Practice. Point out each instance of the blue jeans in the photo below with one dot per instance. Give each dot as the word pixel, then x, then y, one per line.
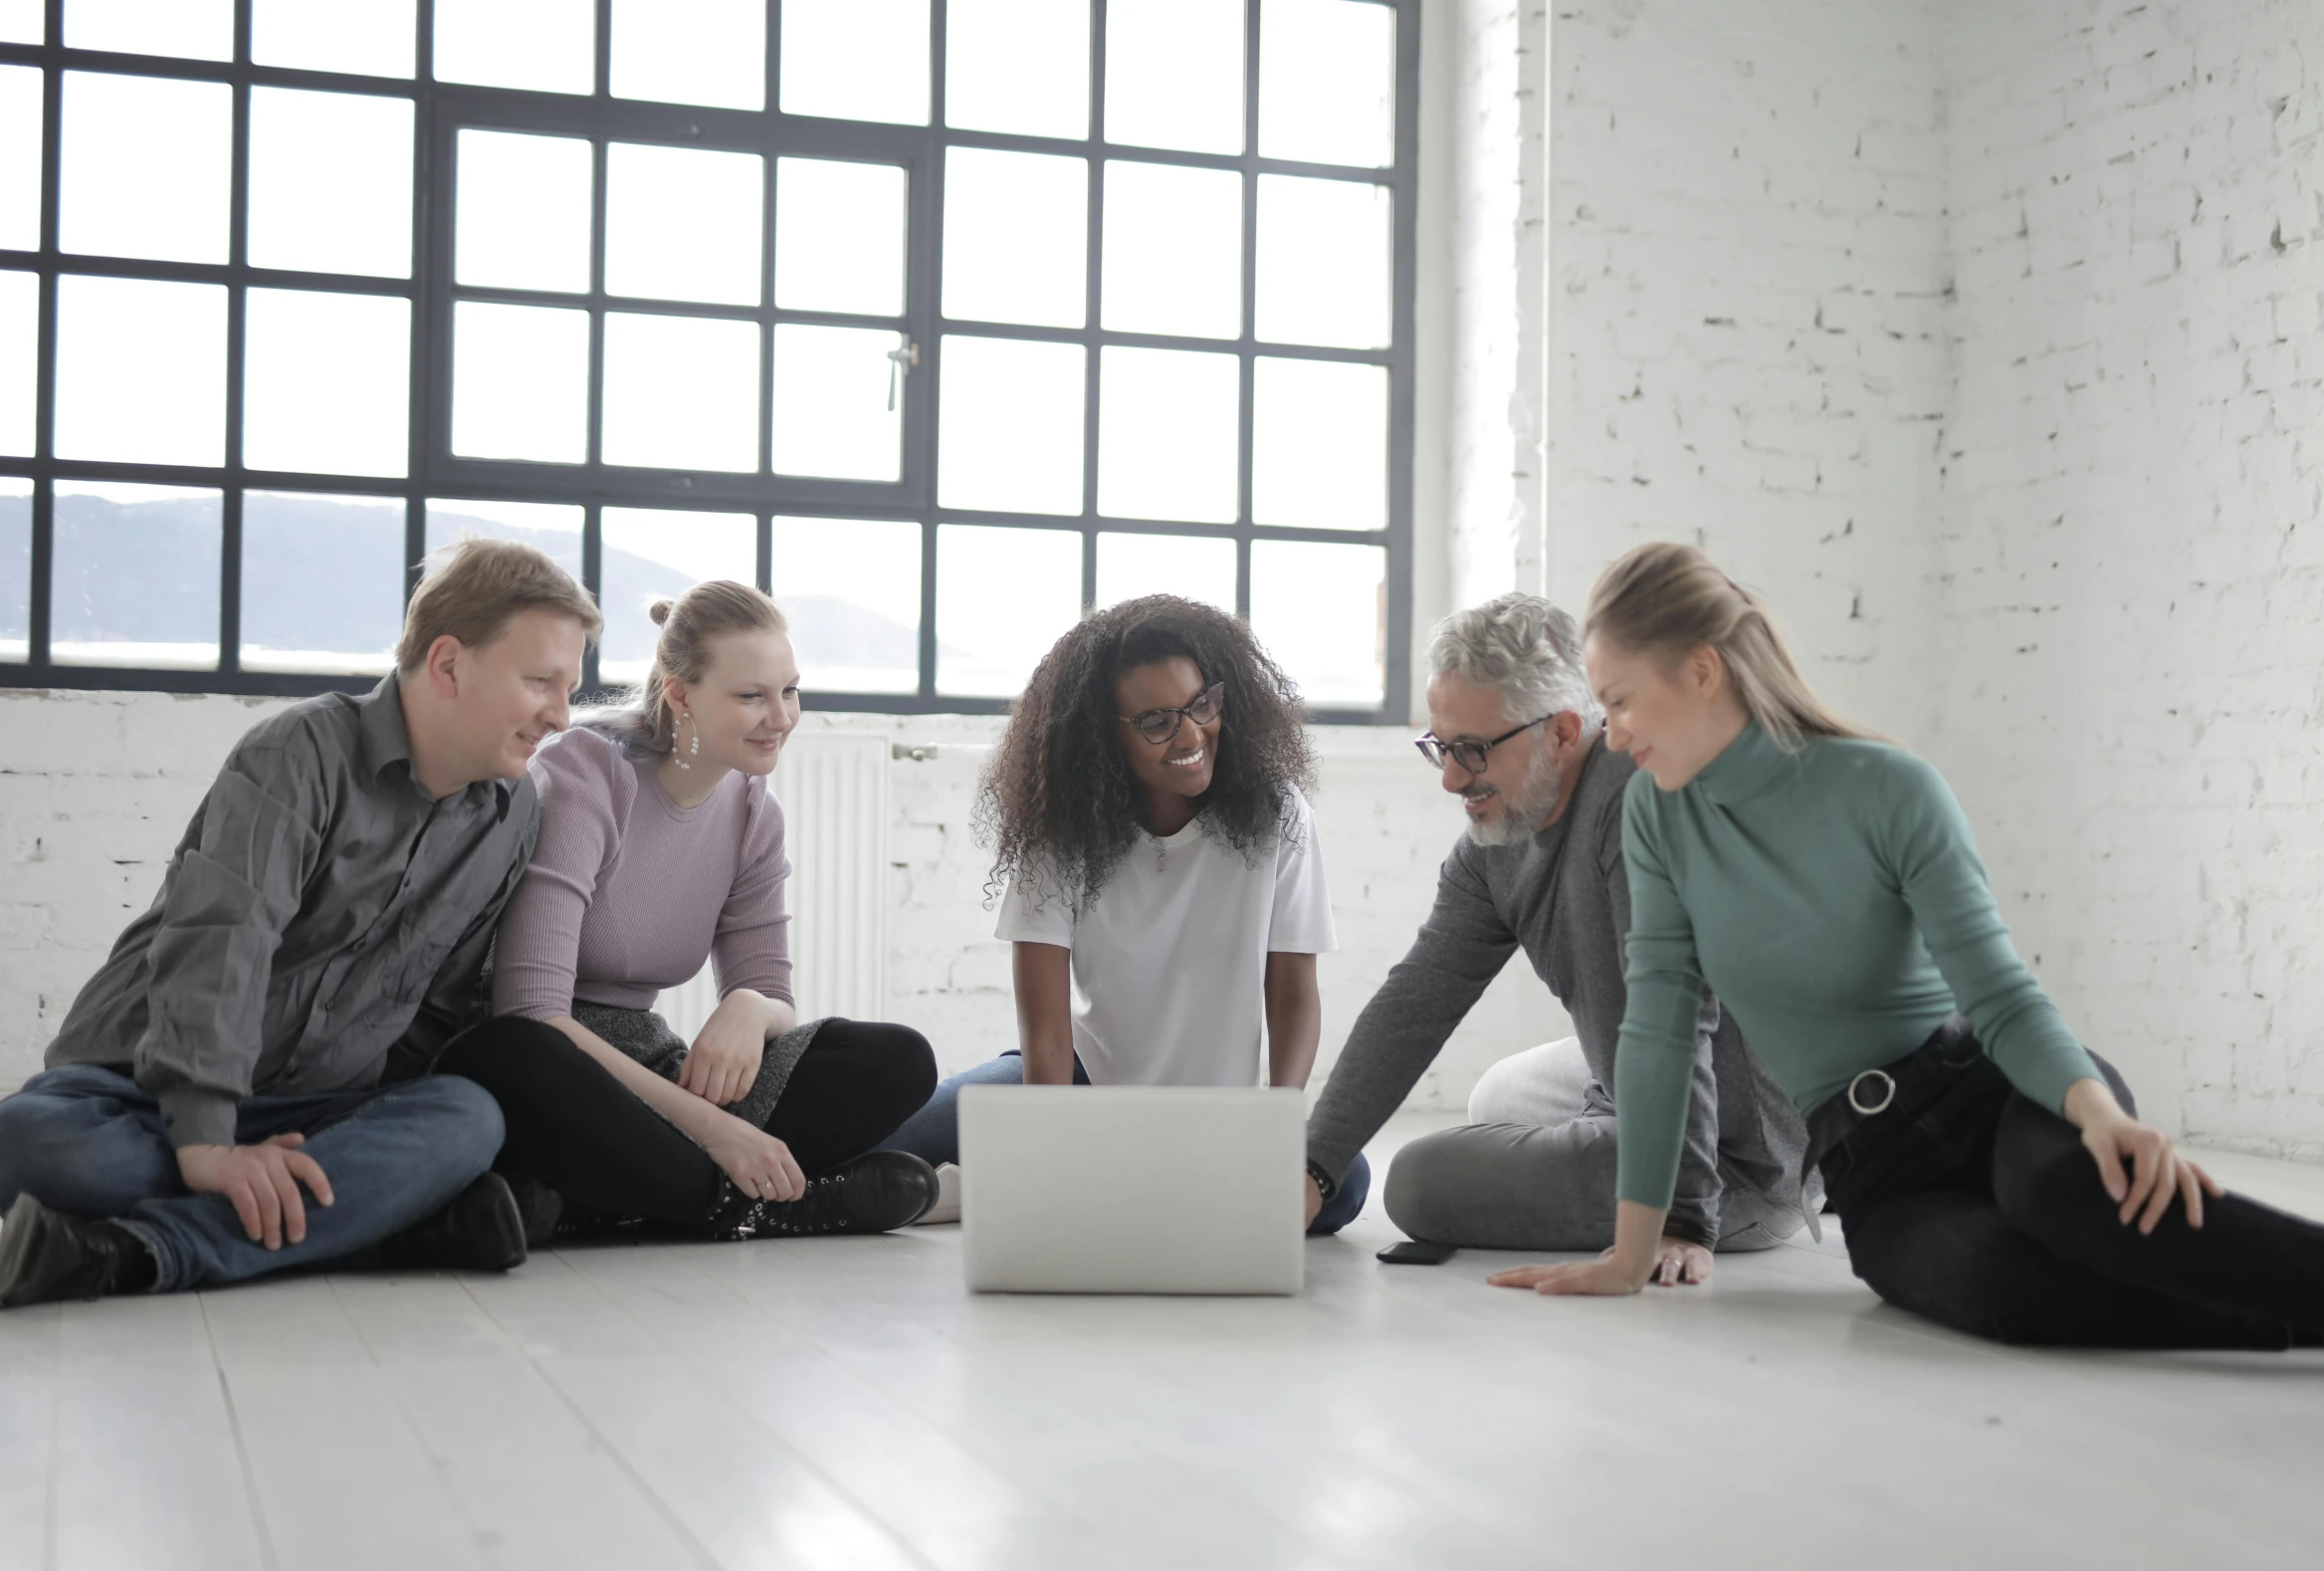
pixel 934 1135
pixel 83 1139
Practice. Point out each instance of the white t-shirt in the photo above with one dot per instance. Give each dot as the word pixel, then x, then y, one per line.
pixel 1169 962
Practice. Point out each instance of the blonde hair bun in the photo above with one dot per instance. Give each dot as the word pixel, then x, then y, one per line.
pixel 659 611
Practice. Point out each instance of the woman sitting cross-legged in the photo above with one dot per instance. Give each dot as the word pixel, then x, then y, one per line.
pixel 660 845
pixel 1165 891
pixel 1991 1173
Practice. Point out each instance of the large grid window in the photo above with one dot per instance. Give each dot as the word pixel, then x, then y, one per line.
pixel 945 321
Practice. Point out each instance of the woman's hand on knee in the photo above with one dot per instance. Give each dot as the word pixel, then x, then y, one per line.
pixel 723 1064
pixel 759 1165
pixel 2140 1165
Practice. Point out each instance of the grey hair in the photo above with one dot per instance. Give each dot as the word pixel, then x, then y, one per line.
pixel 1521 646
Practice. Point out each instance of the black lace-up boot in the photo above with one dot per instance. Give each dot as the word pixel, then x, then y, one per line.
pixel 876 1192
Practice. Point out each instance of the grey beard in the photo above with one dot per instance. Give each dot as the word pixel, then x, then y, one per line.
pixel 1522 813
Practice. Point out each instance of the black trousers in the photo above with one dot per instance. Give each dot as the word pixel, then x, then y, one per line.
pixel 578 1129
pixel 1982 1210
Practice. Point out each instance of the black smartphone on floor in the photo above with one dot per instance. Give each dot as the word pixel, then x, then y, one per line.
pixel 1414 1251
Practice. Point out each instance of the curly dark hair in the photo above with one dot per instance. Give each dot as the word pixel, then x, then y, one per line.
pixel 1056 802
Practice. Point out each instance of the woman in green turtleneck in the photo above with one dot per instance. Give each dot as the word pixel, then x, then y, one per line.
pixel 1991 1173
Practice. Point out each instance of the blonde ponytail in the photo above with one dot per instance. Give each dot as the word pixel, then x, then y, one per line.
pixel 1666 598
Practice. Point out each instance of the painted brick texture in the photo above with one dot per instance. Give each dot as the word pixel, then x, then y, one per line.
pixel 2130 547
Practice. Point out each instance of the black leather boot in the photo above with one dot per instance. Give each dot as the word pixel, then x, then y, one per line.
pixel 46 1255
pixel 482 1229
pixel 876 1192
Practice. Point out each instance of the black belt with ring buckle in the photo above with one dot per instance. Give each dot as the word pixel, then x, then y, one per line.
pixel 1887 1092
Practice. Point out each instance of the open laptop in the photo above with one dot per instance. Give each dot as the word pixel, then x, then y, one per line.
pixel 1133 1188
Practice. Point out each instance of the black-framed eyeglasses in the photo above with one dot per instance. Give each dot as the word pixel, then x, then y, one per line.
pixel 1469 755
pixel 1157 726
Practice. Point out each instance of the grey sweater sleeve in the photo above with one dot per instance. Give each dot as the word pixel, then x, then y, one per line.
pixel 1458 951
pixel 1694 1205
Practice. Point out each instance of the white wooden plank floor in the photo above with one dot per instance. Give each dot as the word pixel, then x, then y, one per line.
pixel 843 1404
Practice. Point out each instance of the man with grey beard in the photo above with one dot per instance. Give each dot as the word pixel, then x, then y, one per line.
pixel 1520 740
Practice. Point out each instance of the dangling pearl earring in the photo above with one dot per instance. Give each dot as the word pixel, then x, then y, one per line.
pixel 674 755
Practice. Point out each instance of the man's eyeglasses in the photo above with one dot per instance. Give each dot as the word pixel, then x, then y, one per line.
pixel 1158 726
pixel 1469 755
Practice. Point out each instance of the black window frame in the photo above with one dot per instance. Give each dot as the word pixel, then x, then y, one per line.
pixel 440 108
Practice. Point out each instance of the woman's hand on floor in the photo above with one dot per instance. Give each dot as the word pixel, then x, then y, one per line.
pixel 1678 1263
pixel 761 1165
pixel 723 1064
pixel 1604 1278
pixel 2139 1164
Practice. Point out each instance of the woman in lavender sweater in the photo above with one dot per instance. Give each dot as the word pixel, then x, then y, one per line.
pixel 661 846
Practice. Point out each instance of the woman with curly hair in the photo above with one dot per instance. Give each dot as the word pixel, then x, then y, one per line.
pixel 1164 890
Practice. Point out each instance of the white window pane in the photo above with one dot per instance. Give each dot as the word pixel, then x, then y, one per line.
pixel 1322 262
pixel 1321 612
pixel 331 183
pixel 691 52
pixel 1009 426
pixel 1016 237
pixel 1019 66
pixel 1166 434
pixel 856 60
pixel 523 216
pixel 1319 444
pixel 1130 566
pixel 24 21
pixel 831 413
pixel 553 527
pixel 21 93
pixel 1328 82
pixel 654 554
pixel 1003 596
pixel 140 370
pixel 682 223
pixel 851 589
pixel 519 382
pixel 550 46
pixel 1174 259
pixel 146 167
pixel 188 29
pixel 326 383
pixel 20 300
pixel 14 567
pixel 680 392
pixel 321 581
pixel 373 39
pixel 165 613
pixel 1174 74
pixel 839 236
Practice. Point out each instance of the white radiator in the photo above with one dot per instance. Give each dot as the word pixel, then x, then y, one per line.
pixel 833 785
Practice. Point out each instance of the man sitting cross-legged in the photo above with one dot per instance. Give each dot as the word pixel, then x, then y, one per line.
pixel 217 1103
pixel 1521 741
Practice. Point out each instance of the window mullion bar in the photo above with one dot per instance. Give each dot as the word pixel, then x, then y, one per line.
pixel 427 294
pixel 924 265
pixel 237 335
pixel 43 442
pixel 1246 349
pixel 1092 306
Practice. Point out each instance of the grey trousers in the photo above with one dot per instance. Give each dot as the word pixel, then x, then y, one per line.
pixel 1534 1168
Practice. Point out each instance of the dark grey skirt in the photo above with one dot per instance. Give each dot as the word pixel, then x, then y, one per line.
pixel 648 1038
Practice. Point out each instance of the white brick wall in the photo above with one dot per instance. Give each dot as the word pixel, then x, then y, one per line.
pixel 1746 313
pixel 2131 545
pixel 96 787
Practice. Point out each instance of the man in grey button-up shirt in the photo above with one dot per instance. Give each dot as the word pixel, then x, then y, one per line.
pixel 240 1087
pixel 1541 869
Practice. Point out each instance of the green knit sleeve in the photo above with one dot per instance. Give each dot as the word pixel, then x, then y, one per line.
pixel 1655 1053
pixel 1925 839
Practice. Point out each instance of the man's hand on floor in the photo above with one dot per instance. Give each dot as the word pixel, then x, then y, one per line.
pixel 262 1183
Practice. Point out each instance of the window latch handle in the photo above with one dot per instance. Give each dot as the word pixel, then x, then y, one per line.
pixel 900 364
